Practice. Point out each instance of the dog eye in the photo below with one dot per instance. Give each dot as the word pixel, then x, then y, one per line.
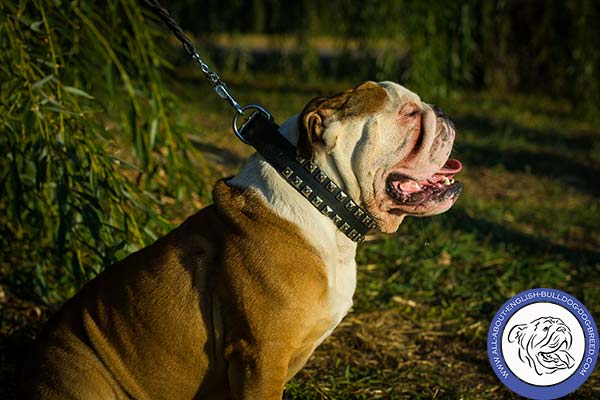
pixel 546 329
pixel 413 113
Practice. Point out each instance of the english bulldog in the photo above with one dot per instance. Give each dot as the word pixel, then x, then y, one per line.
pixel 544 344
pixel 233 302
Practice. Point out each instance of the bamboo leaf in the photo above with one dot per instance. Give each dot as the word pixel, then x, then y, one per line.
pixel 43 81
pixel 153 132
pixel 36 26
pixel 77 92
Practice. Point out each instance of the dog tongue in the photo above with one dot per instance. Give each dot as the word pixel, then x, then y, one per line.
pixel 564 358
pixel 451 167
pixel 408 186
pixel 448 171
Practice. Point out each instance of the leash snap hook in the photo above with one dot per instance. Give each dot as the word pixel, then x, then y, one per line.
pixel 223 92
pixel 257 109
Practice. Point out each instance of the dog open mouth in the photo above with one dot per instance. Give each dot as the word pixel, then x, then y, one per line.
pixel 436 189
pixel 558 357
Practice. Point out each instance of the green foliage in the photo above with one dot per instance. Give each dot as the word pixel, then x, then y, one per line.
pixel 89 145
pixel 436 46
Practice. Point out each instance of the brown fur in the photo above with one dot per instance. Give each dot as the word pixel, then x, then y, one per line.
pixel 360 101
pixel 218 308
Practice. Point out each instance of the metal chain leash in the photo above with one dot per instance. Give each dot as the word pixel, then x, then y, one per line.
pixel 219 86
pixel 322 193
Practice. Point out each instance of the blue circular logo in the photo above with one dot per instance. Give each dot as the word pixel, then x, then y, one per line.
pixel 542 344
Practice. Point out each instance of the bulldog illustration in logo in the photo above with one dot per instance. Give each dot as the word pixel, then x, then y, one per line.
pixel 544 344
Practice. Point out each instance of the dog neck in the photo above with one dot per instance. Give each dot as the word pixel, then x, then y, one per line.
pixel 318 229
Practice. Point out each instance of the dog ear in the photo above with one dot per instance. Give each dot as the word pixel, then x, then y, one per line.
pixel 516 333
pixel 311 124
pixel 362 100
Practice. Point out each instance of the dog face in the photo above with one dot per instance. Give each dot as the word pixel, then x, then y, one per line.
pixel 389 149
pixel 544 344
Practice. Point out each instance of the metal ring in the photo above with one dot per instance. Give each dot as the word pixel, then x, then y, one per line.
pixel 241 112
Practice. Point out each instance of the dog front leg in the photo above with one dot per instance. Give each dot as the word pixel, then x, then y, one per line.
pixel 258 373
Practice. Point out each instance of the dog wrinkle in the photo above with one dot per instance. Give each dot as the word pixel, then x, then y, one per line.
pixel 358 102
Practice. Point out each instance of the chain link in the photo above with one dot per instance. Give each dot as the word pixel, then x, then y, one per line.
pixel 219 86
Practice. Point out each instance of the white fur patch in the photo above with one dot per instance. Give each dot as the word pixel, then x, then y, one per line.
pixel 334 248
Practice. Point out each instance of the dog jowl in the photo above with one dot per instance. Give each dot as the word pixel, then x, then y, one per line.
pixel 233 302
pixel 388 147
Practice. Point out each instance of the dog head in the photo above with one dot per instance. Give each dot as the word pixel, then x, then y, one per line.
pixel 544 344
pixel 388 149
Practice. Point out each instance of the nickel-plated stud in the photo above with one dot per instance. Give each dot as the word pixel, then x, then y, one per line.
pixel 350 205
pixel 341 196
pixel 327 211
pixel 320 177
pixel 287 172
pixel 310 167
pixel 297 181
pixel 306 191
pixel 317 201
pixel 331 186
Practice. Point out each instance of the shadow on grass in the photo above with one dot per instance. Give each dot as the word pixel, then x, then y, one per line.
pixel 545 163
pixel 224 157
pixel 458 219
pixel 20 321
pixel 12 349
pixel 544 137
pixel 557 168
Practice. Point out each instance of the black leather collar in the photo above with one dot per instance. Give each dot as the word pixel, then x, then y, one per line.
pixel 303 175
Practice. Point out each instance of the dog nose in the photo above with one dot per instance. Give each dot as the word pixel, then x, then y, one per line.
pixel 440 114
pixel 438 110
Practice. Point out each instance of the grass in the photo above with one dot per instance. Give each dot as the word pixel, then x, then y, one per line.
pixel 528 217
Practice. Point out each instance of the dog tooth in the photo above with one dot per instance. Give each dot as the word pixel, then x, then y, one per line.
pixel 452 181
pixel 446 180
pixel 409 186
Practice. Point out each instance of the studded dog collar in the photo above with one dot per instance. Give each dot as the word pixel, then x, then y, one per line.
pixel 306 177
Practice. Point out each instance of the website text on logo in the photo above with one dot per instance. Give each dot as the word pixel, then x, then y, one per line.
pixel 542 343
